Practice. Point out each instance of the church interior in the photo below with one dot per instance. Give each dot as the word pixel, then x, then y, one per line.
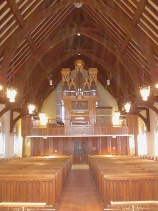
pixel 79 105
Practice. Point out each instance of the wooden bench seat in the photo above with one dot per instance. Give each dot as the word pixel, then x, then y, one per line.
pixel 35 179
pixel 121 179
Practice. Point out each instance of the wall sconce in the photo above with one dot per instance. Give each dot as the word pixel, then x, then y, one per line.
pixel 43 119
pixel 78 5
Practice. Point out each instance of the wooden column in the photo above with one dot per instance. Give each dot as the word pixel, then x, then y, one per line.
pixel 136 145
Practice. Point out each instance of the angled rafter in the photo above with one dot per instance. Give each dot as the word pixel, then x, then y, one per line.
pixel 139 11
pixel 32 44
pixel 64 36
pixel 122 20
pixel 16 12
pixel 125 43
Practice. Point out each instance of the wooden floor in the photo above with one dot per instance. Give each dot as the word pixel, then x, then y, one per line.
pixel 80 193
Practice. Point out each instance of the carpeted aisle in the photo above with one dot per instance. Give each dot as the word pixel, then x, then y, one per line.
pixel 80 193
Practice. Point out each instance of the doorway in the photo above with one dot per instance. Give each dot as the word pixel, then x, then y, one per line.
pixel 80 155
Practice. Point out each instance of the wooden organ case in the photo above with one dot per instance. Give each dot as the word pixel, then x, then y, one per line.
pixel 79 95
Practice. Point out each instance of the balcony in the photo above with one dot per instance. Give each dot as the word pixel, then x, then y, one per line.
pixel 102 127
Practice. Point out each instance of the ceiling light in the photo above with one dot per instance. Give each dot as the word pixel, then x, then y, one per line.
pixel 50 80
pixel 11 93
pixel 1 87
pixel 127 107
pixel 108 82
pixel 78 34
pixel 78 5
pixel 145 92
pixel 109 79
pixel 31 108
pixel 144 89
pixel 156 86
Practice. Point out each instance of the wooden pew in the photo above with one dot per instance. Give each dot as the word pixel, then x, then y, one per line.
pixel 34 179
pixel 124 178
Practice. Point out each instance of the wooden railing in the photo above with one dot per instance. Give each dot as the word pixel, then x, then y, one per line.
pixel 30 128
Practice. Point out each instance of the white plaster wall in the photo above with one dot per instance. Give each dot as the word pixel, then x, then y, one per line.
pixel 9 143
pixel 9 137
pixel 20 139
pixel 49 106
pixel 150 135
pixel 105 98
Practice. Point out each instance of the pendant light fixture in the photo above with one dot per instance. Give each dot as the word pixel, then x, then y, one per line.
pixel 127 104
pixel 144 89
pixel 31 106
pixel 11 91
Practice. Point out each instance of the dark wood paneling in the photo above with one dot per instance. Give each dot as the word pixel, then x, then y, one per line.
pixel 46 147
pixel 104 145
pixel 114 146
pixel 37 148
pixel 56 149
pixel 65 146
pixel 123 145
pixel 94 146
pixel 80 146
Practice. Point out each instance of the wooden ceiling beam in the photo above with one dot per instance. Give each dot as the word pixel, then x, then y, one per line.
pixel 31 43
pixel 42 65
pixel 139 11
pixel 38 83
pixel 49 44
pixel 117 15
pixel 46 46
pixel 125 43
pixel 16 12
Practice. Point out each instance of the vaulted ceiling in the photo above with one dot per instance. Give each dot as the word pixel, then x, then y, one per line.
pixel 39 38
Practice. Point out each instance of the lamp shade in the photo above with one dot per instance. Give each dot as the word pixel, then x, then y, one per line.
pixel 31 108
pixel 127 106
pixel 145 92
pixel 11 94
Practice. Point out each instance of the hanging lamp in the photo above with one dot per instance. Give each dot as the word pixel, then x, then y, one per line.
pixel 31 106
pixel 144 89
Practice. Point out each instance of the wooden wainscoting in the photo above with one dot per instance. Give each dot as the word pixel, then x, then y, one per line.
pixel 79 147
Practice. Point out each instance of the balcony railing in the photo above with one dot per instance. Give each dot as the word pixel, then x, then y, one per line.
pixel 56 127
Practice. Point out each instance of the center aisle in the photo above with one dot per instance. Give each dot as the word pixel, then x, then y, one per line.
pixel 80 193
